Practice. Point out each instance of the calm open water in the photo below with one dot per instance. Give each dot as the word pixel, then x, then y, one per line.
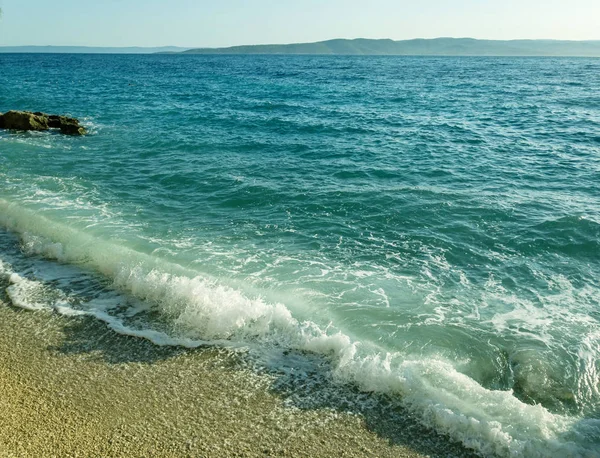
pixel 429 226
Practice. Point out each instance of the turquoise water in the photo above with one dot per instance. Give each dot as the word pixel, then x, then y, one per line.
pixel 431 226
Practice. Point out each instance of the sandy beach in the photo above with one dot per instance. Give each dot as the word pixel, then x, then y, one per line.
pixel 70 387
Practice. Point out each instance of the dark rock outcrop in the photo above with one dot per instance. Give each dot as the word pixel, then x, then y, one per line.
pixel 23 120
pixel 26 120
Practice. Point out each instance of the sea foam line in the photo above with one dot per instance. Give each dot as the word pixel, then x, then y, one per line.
pixel 204 311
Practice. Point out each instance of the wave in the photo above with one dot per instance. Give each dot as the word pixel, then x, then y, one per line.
pixel 191 310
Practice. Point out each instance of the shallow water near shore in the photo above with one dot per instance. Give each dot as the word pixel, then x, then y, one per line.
pixel 424 230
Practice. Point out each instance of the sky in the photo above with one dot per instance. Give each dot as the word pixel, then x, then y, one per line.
pixel 216 23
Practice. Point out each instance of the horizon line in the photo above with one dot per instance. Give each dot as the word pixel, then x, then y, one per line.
pixel 298 42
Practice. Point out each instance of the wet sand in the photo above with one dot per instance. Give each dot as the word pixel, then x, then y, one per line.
pixel 71 387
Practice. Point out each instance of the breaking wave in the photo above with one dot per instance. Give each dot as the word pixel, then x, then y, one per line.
pixel 145 296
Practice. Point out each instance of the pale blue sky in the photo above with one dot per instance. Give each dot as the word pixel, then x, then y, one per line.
pixel 230 22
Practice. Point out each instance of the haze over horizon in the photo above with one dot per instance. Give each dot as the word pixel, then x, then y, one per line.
pixel 194 24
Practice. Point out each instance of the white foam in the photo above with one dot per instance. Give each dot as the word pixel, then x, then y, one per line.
pixel 203 310
pixel 492 422
pixel 26 294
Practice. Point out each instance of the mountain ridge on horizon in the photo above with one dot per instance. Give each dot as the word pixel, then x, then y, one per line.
pixel 443 46
pixel 48 49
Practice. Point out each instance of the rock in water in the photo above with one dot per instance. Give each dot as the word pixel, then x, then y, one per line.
pixel 69 126
pixel 25 120
pixel 72 129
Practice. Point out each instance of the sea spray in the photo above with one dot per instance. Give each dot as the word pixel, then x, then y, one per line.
pixel 203 312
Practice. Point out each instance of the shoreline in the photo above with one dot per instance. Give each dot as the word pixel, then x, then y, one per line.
pixel 72 387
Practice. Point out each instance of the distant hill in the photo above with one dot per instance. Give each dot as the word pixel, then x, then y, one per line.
pixel 421 47
pixel 88 49
pixel 359 46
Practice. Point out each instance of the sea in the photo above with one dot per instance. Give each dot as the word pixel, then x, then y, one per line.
pixel 424 230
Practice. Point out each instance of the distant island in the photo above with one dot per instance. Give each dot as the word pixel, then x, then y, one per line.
pixel 421 47
pixel 89 49
pixel 359 46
